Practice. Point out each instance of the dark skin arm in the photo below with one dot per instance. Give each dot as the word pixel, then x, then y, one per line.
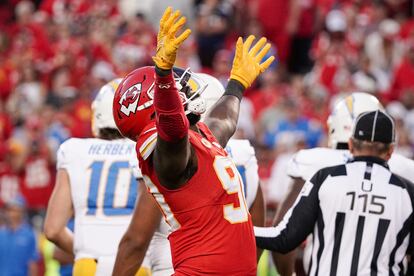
pixel 62 257
pixel 134 243
pixel 258 213
pixel 222 119
pixel 285 263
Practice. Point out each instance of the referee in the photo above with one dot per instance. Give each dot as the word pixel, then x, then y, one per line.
pixel 360 214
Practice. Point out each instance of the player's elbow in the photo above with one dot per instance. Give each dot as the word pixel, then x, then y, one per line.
pixel 133 244
pixel 51 232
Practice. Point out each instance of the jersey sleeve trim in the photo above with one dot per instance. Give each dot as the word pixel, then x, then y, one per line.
pixel 148 146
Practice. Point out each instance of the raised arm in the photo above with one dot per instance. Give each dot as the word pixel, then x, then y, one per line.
pixel 247 65
pixel 172 152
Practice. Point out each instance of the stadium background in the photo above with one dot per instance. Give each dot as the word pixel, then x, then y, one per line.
pixel 56 54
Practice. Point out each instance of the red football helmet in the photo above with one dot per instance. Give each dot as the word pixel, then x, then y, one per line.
pixel 133 101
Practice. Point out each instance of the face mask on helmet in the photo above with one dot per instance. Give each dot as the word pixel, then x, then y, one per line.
pixel 190 86
pixel 133 103
pixel 346 110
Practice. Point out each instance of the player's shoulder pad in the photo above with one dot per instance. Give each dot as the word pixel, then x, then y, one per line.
pixel 69 151
pixel 307 156
pixel 306 162
pixel 241 150
pixel 147 140
pixel 402 166
pixel 70 145
pixel 319 177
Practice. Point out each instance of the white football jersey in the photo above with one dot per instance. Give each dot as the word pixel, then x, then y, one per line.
pixel 305 163
pixel 103 190
pixel 243 155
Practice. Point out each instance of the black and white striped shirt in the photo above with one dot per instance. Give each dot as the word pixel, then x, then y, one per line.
pixel 361 217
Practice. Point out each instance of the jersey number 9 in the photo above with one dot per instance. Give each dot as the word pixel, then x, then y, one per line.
pixel 230 179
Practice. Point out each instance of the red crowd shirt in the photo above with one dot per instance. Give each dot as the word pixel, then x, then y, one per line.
pixel 403 80
pixel 37 181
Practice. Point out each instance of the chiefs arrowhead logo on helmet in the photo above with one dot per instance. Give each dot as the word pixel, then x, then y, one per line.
pixel 132 106
pixel 129 100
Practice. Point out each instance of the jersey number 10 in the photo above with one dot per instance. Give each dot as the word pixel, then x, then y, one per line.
pixel 111 187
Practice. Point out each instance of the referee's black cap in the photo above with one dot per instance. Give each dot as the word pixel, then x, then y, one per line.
pixel 374 126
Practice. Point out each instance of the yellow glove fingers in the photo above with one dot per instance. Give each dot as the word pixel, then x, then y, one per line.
pixel 182 37
pixel 259 45
pixel 266 64
pixel 263 52
pixel 165 16
pixel 248 43
pixel 177 25
pixel 171 20
pixel 239 52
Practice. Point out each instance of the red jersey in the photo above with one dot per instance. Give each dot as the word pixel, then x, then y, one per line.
pixel 211 228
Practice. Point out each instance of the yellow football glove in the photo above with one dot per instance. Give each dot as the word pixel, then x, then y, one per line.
pixel 246 64
pixel 167 42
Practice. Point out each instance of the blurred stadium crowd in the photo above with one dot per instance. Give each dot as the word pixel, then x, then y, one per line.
pixel 56 54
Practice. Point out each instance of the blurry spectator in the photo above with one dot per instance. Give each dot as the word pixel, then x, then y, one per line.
pixel 135 47
pixel 301 27
pixel 28 38
pixel 157 9
pixel 273 16
pixel 38 170
pixel 383 47
pixel 18 250
pixel 11 161
pixel 57 132
pixel 61 88
pixel 222 66
pixel 409 125
pixel 187 57
pixel 6 125
pixel 269 92
pixel 29 96
pixel 403 76
pixel 333 55
pixel 369 78
pixel 398 112
pixel 213 23
pixel 295 125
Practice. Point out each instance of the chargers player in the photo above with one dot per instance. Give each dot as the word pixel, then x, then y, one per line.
pixel 305 163
pixel 243 155
pixel 183 162
pixel 96 185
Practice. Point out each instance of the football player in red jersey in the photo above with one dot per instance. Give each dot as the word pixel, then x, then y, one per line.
pixel 184 165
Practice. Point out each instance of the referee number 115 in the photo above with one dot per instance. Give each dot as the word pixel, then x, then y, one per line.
pixel 373 204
